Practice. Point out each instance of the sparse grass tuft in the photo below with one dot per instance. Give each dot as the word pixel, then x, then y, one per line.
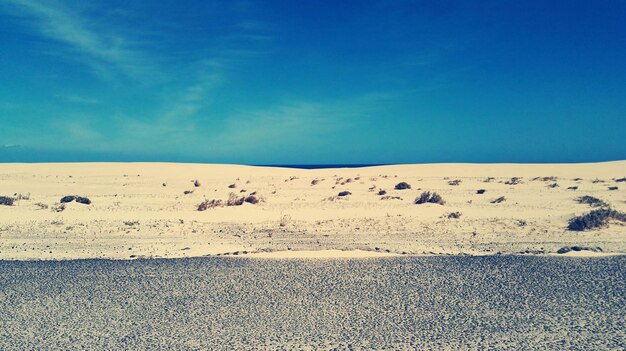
pixel 454 182
pixel 513 181
pixel 234 200
pixel 591 201
pixel 428 197
pixel 207 204
pixel 595 219
pixel 454 215
pixel 499 200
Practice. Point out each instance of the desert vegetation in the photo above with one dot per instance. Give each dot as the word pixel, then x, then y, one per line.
pixel 78 199
pixel 454 182
pixel 595 219
pixel 344 193
pixel 454 215
pixel 480 191
pixel 591 201
pixel 498 200
pixel 6 201
pixel 428 197
pixel 402 186
pixel 513 181
pixel 207 204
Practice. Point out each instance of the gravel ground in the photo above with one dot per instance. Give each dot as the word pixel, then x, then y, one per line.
pixel 497 302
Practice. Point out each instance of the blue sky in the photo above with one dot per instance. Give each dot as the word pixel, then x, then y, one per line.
pixel 307 82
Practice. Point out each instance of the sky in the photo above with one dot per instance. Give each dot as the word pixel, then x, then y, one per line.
pixel 312 82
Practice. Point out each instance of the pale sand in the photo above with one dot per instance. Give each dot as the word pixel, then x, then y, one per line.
pixel 133 215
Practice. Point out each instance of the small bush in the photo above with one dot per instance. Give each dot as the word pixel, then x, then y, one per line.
pixel 58 208
pixel 66 199
pixel 187 192
pixel 382 192
pixel 572 188
pixel 403 186
pixel 620 180
pixel 315 182
pixel 207 204
pixel 6 201
pixel 591 201
pixel 595 219
pixel 196 183
pixel 252 199
pixel 454 182
pixel 41 205
pixel 428 197
pixel 234 200
pixel 480 191
pixel 489 180
pixel 232 186
pixel 596 181
pixel 79 199
pixel 344 193
pixel 83 200
pixel 613 188
pixel 454 215
pixel 553 185
pixel 499 200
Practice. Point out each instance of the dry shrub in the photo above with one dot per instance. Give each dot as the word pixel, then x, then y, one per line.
pixel 591 201
pixel 207 204
pixel 387 197
pixel 595 219
pixel 234 200
pixel 454 182
pixel 454 215
pixel 382 192
pixel 513 181
pixel 499 200
pixel 428 197
pixel 6 201
pixel 403 186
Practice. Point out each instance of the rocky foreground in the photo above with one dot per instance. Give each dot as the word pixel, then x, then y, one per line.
pixel 455 303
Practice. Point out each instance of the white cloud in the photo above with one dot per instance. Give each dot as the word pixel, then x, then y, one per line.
pixel 97 47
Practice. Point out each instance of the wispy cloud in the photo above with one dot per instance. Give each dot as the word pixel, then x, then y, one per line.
pixel 100 48
pixel 10 146
pixel 297 122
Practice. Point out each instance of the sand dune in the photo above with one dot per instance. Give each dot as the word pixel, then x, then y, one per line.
pixel 141 209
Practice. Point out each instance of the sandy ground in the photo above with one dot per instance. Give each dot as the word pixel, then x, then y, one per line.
pixel 140 209
pixel 393 303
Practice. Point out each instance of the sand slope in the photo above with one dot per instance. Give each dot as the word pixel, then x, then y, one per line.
pixel 140 209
